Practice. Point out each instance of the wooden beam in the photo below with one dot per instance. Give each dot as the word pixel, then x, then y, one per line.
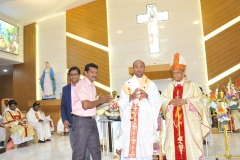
pixel 153 72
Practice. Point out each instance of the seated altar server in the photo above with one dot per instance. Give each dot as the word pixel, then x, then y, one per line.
pixel 15 123
pixel 50 121
pixel 37 121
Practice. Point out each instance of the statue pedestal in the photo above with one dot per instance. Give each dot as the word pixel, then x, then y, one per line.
pixel 50 107
pixel 49 97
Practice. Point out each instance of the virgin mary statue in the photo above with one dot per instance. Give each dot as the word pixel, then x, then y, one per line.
pixel 47 82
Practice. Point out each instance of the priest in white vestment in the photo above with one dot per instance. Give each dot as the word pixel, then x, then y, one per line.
pixel 37 121
pixel 139 105
pixel 50 121
pixel 185 116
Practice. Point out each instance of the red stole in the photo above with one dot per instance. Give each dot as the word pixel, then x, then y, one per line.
pixel 178 126
pixel 15 117
pixel 18 118
pixel 133 131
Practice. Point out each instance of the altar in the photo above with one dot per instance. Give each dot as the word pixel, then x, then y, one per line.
pixel 50 107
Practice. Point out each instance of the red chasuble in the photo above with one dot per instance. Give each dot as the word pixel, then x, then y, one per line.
pixel 178 125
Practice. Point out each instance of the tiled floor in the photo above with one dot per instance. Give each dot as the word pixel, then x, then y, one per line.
pixel 59 149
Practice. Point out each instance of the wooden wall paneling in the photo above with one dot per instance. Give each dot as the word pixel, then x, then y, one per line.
pixel 89 21
pixel 93 28
pixel 6 86
pixel 24 75
pixel 80 54
pixel 76 48
pixel 217 13
pixel 98 90
pixel 102 91
pixel 222 51
pixel 225 81
pixel 83 61
pixel 85 16
pixel 155 72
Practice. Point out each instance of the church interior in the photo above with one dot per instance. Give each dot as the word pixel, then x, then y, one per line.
pixel 60 34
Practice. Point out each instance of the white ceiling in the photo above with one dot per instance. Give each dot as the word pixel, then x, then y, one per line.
pixel 25 12
pixel 28 11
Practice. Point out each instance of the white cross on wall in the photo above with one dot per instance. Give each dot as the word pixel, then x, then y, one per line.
pixel 152 17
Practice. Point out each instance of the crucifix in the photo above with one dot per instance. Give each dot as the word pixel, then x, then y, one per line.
pixel 151 18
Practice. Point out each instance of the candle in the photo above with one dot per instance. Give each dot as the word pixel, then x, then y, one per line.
pixel 221 94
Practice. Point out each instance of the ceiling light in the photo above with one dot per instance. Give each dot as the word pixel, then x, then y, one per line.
pixel 161 27
pixel 5 70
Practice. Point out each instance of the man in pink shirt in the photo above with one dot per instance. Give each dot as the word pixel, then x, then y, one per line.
pixel 84 110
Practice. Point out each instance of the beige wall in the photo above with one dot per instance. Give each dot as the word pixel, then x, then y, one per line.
pixel 128 41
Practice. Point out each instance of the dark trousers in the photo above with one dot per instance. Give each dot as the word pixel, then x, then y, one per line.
pixel 71 137
pixel 86 135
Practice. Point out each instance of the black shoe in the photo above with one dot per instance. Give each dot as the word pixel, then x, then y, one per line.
pixel 48 140
pixel 236 131
pixel 41 141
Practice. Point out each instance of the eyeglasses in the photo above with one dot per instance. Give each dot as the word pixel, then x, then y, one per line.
pixel 73 75
pixel 178 72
